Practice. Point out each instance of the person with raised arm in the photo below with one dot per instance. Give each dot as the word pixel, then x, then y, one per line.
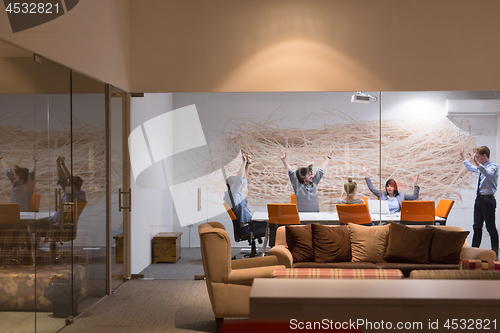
pixel 23 182
pixel 237 201
pixel 391 193
pixel 304 184
pixel 71 187
pixel 485 204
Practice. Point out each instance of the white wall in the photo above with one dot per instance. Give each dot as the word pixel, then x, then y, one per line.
pixel 151 208
pixel 92 38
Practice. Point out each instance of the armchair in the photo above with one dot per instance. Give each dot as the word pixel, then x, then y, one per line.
pixel 229 281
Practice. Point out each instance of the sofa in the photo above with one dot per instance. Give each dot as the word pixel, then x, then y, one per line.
pixel 392 246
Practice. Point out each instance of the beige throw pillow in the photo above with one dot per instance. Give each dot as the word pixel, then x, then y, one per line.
pixel 368 244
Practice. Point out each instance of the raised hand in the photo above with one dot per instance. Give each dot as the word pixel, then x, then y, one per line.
pixel 249 159
pixel 282 154
pixel 364 168
pixel 415 179
pixel 36 155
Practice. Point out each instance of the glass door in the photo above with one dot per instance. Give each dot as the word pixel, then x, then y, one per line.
pixel 88 167
pixel 120 193
pixel 53 255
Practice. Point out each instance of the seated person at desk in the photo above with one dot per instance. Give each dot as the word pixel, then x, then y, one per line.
pixel 304 184
pixel 23 182
pixel 71 186
pixel 238 202
pixel 351 188
pixel 391 193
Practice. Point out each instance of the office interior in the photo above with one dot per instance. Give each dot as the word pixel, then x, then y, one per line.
pixel 69 88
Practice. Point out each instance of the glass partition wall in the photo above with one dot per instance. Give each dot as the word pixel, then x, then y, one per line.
pixel 53 218
pixel 412 138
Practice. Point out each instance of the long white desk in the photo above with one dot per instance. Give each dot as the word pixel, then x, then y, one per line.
pixel 331 217
pixel 32 216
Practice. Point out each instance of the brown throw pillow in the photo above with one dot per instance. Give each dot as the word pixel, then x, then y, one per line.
pixel 446 246
pixel 408 245
pixel 368 243
pixel 299 242
pixel 331 244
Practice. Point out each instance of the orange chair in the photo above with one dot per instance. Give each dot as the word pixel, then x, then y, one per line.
pixel 9 213
pixel 35 202
pixel 293 198
pixel 443 209
pixel 418 212
pixel 70 221
pixel 280 214
pixel 13 238
pixel 355 213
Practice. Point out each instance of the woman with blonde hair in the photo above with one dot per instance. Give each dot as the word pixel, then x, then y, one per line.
pixel 350 188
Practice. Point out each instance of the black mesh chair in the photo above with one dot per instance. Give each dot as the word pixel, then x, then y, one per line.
pixel 251 232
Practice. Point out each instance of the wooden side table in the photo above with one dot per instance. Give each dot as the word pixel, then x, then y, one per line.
pixel 119 248
pixel 166 247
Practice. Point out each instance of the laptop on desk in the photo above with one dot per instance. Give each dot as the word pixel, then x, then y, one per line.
pixel 379 207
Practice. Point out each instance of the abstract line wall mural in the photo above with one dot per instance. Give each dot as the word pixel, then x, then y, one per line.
pixel 408 147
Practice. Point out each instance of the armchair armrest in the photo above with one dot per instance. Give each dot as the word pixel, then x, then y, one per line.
pixel 283 254
pixel 245 276
pixel 254 262
pixel 477 253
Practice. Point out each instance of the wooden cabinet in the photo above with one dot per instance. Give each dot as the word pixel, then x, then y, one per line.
pixel 166 247
pixel 119 248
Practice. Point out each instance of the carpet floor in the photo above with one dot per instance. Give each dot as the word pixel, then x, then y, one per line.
pixel 150 306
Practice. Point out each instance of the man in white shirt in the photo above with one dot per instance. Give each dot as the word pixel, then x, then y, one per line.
pixel 485 204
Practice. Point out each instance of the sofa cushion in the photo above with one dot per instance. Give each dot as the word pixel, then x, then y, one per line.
pixel 368 243
pixel 299 241
pixel 480 265
pixel 408 268
pixel 446 245
pixel 454 275
pixel 331 244
pixel 408 245
pixel 350 265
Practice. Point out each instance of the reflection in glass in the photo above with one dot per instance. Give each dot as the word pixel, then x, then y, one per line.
pixel 52 259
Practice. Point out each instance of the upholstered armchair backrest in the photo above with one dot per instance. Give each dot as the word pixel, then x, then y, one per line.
pixel 215 246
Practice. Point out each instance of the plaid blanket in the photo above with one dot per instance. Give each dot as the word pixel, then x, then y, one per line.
pixel 336 273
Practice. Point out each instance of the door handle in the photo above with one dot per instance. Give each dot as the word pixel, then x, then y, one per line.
pixel 120 193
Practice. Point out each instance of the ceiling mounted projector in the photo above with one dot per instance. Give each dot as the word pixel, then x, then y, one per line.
pixel 362 97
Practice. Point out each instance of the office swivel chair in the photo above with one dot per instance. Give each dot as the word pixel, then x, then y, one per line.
pixel 418 212
pixel 68 226
pixel 247 233
pixel 280 214
pixel 354 213
pixel 443 209
pixel 35 202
